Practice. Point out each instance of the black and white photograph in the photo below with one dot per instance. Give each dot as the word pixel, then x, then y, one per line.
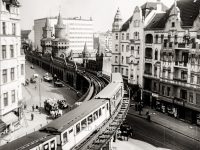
pixel 99 74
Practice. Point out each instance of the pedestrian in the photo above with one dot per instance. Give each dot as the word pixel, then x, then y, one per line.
pixel 32 116
pixel 33 108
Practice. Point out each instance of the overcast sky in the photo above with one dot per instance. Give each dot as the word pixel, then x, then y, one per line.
pixel 102 11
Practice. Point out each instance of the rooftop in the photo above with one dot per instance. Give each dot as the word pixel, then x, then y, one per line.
pixel 72 117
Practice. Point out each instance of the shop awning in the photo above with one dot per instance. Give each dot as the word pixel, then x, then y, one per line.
pixel 10 118
pixel 2 126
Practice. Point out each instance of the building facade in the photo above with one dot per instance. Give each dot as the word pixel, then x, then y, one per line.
pixel 12 63
pixel 128 39
pixel 78 31
pixel 171 72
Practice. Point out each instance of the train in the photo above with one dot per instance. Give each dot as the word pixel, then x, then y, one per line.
pixel 78 124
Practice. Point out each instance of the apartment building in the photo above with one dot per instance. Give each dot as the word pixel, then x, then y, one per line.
pixel 172 61
pixel 12 64
pixel 128 39
pixel 78 31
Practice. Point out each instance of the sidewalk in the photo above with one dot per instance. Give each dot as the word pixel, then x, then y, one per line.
pixel 186 129
pixel 132 144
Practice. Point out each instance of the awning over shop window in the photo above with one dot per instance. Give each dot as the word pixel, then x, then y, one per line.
pixel 2 126
pixel 10 118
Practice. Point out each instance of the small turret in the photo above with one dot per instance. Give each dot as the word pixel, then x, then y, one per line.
pixel 117 21
pixel 60 28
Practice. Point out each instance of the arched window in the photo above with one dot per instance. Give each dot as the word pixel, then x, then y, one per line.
pixel 149 39
pixel 156 54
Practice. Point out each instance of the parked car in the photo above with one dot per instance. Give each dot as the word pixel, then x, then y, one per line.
pixel 48 78
pixel 32 80
pixel 58 83
pixel 62 104
pixel 32 67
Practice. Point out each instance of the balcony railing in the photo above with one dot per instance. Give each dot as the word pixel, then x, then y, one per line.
pixel 181 63
pixel 180 79
pixel 104 134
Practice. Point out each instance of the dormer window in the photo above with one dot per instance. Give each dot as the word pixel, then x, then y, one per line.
pixel 173 24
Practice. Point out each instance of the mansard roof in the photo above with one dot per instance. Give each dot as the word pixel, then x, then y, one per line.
pixel 151 6
pixel 189 10
pixel 13 2
pixel 125 26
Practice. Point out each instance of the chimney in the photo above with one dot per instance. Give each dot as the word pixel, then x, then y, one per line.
pixel 159 6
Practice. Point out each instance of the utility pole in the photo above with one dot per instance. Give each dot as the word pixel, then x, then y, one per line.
pixel 39 94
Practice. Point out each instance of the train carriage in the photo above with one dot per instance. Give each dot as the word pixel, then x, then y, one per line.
pixel 73 127
pixel 113 92
pixel 34 141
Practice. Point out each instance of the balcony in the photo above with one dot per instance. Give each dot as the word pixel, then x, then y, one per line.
pixel 104 134
pixel 180 64
pixel 180 79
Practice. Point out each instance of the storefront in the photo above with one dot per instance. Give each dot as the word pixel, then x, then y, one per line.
pixel 11 121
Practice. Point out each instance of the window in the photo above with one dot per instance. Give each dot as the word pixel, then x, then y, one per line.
pixel 46 146
pixel 11 51
pixel 83 124
pixel 126 72
pixel 116 70
pixel 95 115
pixel 183 94
pixel 107 106
pixel 192 78
pixel 162 38
pixel 136 35
pixel 156 54
pixel 116 47
pixel 13 28
pixel 116 59
pixel 132 48
pixel 122 59
pixel 122 36
pixel 12 74
pixel 127 48
pixel 78 128
pixel 191 97
pixel 5 99
pixel 127 36
pixel 52 145
pixel 155 71
pixel 156 39
pixel 198 80
pixel 173 24
pixel 138 50
pixel 22 69
pixel 122 71
pixel 136 23
pixel 122 48
pixel 65 138
pixel 89 119
pixel 4 75
pixel 4 27
pixel 99 112
pixel 13 96
pixel 127 60
pixel 116 36
pixel 163 90
pixel 169 72
pixel 168 91
pixel 3 51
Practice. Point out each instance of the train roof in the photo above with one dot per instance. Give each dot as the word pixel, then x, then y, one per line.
pixel 64 122
pixel 109 91
pixel 27 142
pixel 116 77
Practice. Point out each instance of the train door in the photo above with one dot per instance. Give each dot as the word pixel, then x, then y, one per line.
pixel 71 136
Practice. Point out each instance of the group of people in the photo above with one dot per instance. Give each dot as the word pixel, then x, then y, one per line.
pixel 125 131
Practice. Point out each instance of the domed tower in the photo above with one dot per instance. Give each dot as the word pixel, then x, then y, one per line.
pixel 117 22
pixel 60 44
pixel 46 41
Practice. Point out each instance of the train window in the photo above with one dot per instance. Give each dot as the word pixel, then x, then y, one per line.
pixel 65 137
pixel 78 128
pixel 53 145
pixel 70 131
pixel 95 115
pixel 90 120
pixel 107 106
pixel 99 112
pixel 83 124
pixel 46 146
